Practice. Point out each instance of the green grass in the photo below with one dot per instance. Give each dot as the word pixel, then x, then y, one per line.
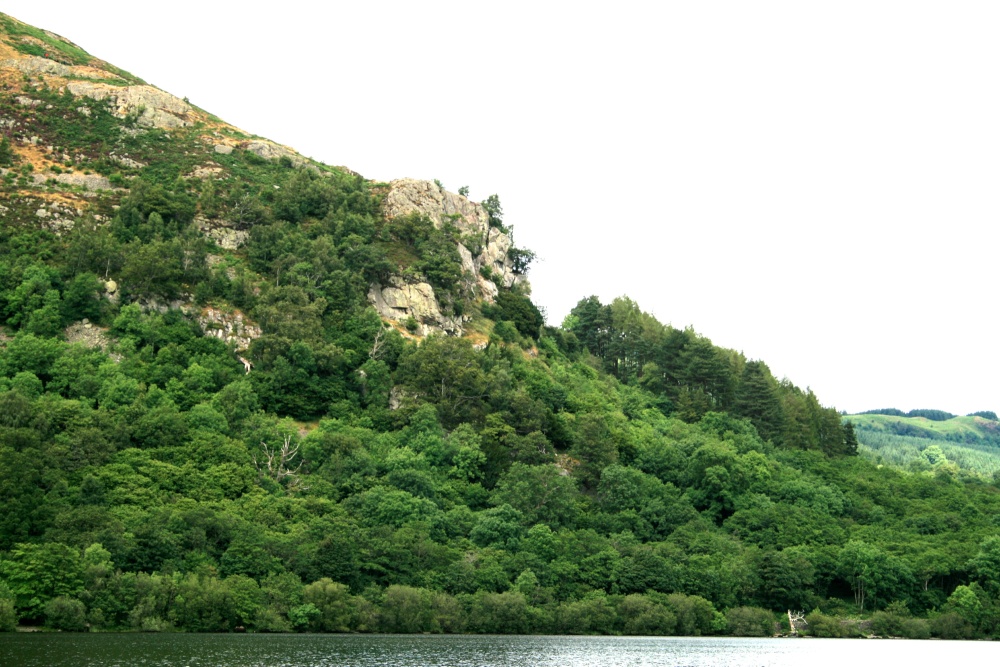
pixel 971 443
pixel 75 54
pixel 69 52
pixel 975 427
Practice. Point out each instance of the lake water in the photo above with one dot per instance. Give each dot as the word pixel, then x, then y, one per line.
pixel 187 650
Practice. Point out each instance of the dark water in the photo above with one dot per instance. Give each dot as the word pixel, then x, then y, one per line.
pixel 185 650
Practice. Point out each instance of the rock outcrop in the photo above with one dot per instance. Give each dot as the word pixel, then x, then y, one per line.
pixel 484 245
pixel 400 301
pixel 37 65
pixel 272 151
pixel 153 107
pixel 230 326
pixel 92 182
pixel 481 247
pixel 224 233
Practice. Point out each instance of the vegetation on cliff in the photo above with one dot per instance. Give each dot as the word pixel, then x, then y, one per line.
pixel 612 475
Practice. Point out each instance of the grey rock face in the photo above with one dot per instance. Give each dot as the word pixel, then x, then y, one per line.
pixel 154 107
pixel 272 151
pixel 230 326
pixel 38 65
pixel 400 300
pixel 91 182
pixel 220 231
pixel 407 195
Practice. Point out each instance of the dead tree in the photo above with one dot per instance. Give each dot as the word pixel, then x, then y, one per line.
pixel 247 364
pixel 796 620
pixel 380 340
pixel 276 465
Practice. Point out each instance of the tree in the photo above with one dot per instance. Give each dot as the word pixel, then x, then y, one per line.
pixel 985 565
pixel 334 604
pixel 446 372
pixel 875 577
pixel 494 212
pixel 850 440
pixel 541 493
pixel 38 573
pixel 757 399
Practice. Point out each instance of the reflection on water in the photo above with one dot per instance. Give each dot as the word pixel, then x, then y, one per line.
pixel 185 650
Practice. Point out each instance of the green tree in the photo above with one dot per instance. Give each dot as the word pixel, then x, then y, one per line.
pixel 38 573
pixel 875 577
pixel 543 494
pixel 757 399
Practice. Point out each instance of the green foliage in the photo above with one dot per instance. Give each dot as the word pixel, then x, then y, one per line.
pixel 615 475
pixel 67 614
pixel 749 622
pixel 494 212
pixel 965 443
pixel 40 573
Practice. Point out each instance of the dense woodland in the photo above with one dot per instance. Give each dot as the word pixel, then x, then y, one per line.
pixel 611 475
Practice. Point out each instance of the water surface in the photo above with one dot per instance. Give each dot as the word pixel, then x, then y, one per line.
pixel 189 650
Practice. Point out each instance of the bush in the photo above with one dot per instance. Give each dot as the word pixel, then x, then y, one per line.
pixel 694 614
pixel 885 624
pixel 65 613
pixel 951 626
pixel 749 622
pixel 915 628
pixel 642 616
pixel 821 625
pixel 8 615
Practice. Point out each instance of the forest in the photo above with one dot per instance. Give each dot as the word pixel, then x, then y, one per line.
pixel 611 475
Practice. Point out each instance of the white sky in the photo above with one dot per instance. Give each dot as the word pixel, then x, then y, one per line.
pixel 815 184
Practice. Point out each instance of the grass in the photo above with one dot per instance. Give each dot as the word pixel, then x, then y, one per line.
pixel 15 28
pixel 976 426
pixel 71 53
pixel 971 443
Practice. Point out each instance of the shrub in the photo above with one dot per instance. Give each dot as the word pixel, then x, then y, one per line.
pixel 8 615
pixel 65 613
pixel 694 614
pixel 951 626
pixel 821 625
pixel 749 622
pixel 642 616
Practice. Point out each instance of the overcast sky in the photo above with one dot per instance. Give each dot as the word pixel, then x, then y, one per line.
pixel 815 184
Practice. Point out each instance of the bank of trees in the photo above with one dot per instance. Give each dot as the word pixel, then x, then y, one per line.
pixel 614 475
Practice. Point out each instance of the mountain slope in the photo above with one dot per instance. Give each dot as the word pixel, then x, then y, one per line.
pixel 917 443
pixel 242 389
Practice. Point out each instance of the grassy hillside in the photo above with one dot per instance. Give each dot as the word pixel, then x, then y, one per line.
pixel 920 444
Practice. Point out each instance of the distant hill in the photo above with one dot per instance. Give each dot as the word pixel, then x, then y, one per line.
pixel 920 443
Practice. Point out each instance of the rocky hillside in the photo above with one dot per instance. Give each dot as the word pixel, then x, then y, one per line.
pixel 240 389
pixel 79 134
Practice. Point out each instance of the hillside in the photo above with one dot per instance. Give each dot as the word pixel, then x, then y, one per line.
pixel 240 389
pixel 969 443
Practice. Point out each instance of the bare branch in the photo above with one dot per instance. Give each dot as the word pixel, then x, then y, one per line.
pixel 276 463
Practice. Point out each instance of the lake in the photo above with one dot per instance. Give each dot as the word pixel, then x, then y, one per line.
pixel 190 650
